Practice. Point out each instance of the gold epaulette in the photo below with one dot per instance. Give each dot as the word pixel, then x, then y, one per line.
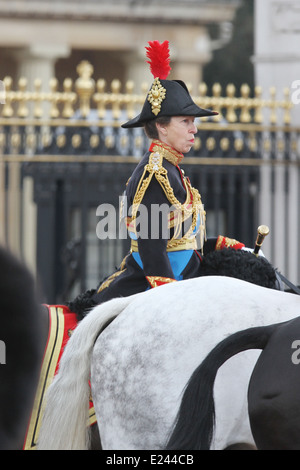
pixel 154 165
pixel 192 207
pixel 225 242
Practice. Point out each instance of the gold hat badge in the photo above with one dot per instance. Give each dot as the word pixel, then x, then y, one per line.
pixel 156 96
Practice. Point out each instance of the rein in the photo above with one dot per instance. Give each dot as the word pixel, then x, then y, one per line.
pixel 288 283
pixel 262 232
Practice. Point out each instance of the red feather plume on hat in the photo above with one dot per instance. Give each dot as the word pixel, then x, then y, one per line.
pixel 159 56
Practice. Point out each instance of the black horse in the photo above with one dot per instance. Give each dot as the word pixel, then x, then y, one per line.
pixel 25 335
pixel 273 393
pixel 20 333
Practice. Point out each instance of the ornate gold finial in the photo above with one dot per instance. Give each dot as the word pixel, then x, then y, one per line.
pixel 156 96
pixel 85 86
pixel 245 103
pixel 210 144
pixel 202 89
pixel 129 99
pixel 68 97
pixel 287 105
pixel 115 88
pixel 54 98
pixel 224 144
pixel 230 115
pixel 258 117
pixel 37 111
pixel 273 105
pixel 22 109
pixel 216 102
pixel 101 98
pixel 7 107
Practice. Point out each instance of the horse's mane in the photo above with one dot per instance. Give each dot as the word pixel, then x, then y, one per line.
pixel 240 264
pixel 82 304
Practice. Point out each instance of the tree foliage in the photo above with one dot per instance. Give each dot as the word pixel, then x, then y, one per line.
pixel 232 63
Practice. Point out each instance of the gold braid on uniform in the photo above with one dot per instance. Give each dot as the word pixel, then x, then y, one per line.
pixel 156 281
pixel 155 168
pixel 225 242
pixel 106 283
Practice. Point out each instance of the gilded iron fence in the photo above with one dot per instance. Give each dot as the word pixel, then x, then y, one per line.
pixel 63 153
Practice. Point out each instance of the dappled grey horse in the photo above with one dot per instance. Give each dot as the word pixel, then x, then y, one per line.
pixel 140 363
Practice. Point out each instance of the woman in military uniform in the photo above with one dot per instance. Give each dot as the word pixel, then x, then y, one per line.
pixel 164 214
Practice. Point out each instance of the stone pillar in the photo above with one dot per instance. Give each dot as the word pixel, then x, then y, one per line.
pixel 277 52
pixel 137 68
pixel 277 63
pixel 192 54
pixel 35 62
pixel 190 73
pixel 38 61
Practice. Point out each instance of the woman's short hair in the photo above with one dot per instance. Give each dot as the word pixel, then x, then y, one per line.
pixel 150 126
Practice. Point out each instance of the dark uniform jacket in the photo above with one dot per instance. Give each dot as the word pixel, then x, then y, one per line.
pixel 165 219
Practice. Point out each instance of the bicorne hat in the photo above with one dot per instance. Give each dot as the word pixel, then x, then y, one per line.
pixel 165 97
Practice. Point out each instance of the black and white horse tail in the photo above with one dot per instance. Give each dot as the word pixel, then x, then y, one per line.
pixel 194 425
pixel 64 425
